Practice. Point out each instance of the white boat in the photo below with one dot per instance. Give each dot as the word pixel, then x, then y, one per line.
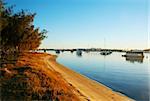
pixel 105 52
pixel 78 52
pixel 134 53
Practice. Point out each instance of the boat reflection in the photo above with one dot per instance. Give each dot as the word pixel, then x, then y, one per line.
pixel 134 59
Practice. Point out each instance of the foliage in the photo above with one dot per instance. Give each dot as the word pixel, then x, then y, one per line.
pixel 17 30
pixel 17 33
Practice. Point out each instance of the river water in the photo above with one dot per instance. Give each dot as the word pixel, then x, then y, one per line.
pixel 130 77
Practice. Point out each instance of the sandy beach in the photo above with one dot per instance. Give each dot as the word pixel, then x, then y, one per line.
pixel 45 73
pixel 91 89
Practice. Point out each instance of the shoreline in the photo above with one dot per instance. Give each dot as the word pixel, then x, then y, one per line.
pixel 45 76
pixel 91 89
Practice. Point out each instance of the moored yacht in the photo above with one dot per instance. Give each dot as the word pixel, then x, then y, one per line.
pixel 106 52
pixel 78 52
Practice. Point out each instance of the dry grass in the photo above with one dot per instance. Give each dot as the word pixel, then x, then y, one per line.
pixel 30 79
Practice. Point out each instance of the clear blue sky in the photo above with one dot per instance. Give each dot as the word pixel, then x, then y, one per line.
pixel 86 23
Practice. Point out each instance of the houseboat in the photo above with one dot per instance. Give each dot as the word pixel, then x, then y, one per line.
pixel 134 53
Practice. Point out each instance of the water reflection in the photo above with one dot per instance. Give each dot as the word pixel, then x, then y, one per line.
pixel 71 51
pixel 119 73
pixel 134 59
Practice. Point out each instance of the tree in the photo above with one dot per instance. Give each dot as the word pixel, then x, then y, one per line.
pixel 17 30
pixel 17 34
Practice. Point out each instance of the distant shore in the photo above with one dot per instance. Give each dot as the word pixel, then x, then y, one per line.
pixel 91 89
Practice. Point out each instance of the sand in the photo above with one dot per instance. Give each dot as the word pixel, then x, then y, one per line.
pixel 89 89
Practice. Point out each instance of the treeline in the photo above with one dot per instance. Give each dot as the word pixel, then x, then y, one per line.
pixel 17 32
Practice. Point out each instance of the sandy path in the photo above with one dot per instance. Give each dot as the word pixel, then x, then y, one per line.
pixel 92 90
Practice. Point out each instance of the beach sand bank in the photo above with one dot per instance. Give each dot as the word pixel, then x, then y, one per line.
pixel 91 89
pixel 49 79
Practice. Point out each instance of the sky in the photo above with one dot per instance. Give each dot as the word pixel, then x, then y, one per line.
pixel 119 24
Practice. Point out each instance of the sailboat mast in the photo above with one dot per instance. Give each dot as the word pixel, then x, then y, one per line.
pixel 104 43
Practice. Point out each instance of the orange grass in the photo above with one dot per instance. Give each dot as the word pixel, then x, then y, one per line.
pixel 31 79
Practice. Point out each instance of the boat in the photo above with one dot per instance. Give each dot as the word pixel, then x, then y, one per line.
pixel 106 52
pixel 134 53
pixel 79 52
pixel 57 51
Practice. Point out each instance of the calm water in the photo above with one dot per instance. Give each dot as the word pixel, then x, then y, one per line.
pixel 129 76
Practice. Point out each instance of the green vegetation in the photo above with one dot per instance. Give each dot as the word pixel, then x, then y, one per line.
pixel 18 33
